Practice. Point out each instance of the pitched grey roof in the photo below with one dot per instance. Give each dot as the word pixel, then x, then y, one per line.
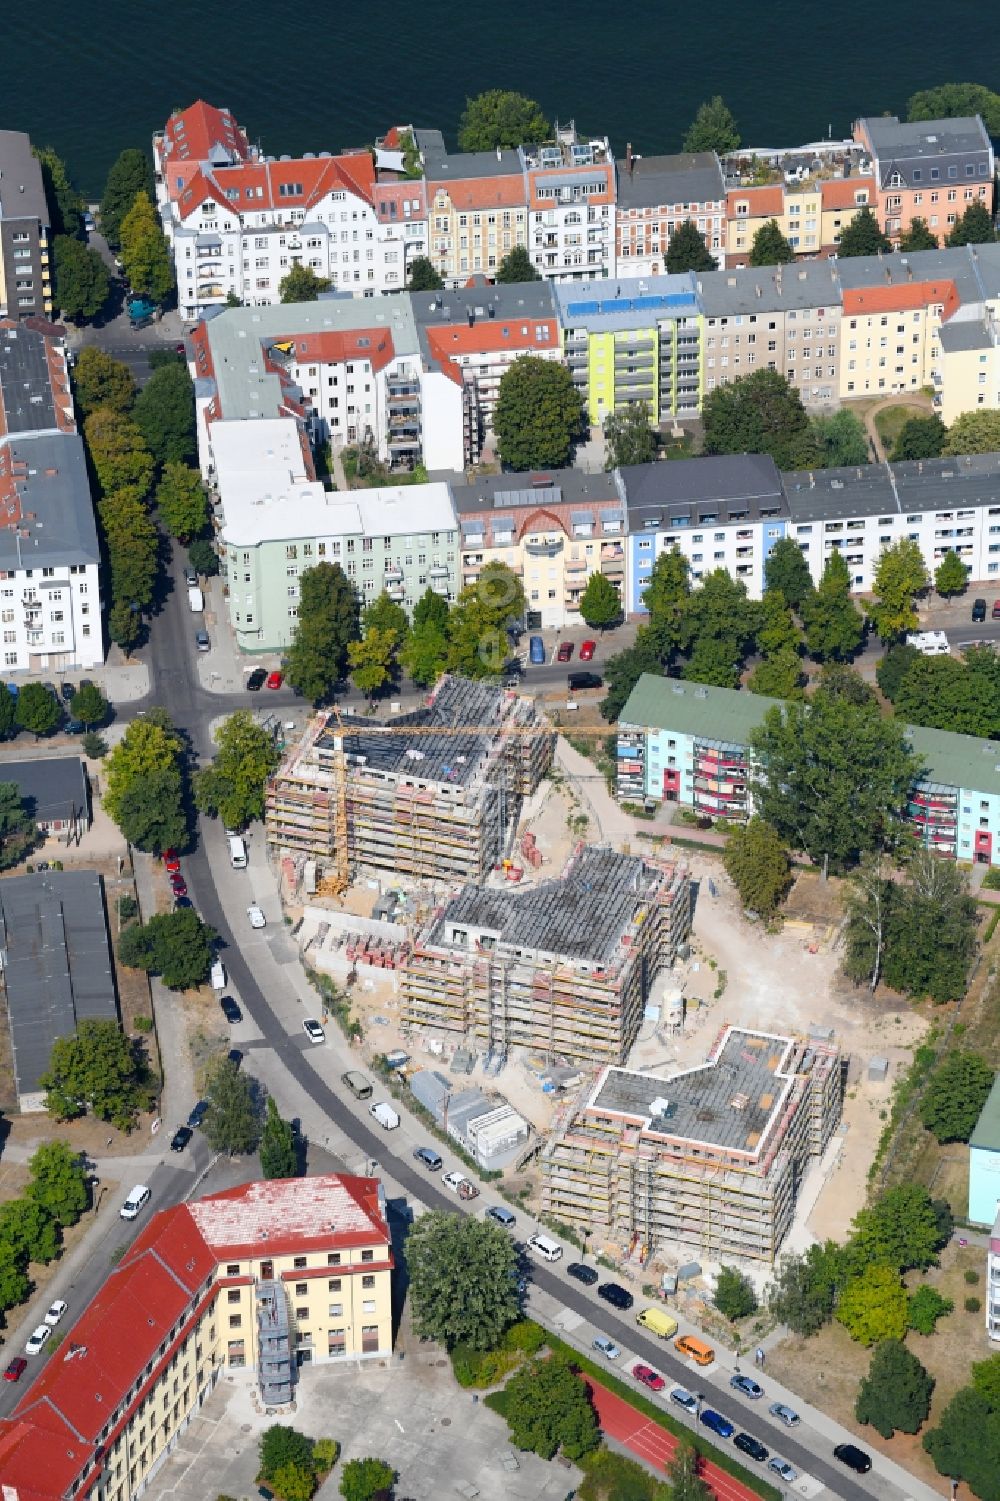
pixel 911 148
pixel 893 489
pixel 22 193
pixel 57 524
pixel 694 177
pixel 763 289
pixel 972 333
pixel 689 492
pixel 54 941
pixel 55 788
pixel 551 487
pixel 26 399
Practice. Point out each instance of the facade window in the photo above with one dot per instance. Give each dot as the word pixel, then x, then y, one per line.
pixel 367 1255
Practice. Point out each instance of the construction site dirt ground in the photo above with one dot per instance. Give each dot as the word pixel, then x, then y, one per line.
pixel 826 1369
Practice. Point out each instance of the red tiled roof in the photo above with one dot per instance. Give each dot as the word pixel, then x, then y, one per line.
pixel 488 336
pixel 332 348
pixel 286 1214
pixel 390 141
pixel 353 173
pixel 896 299
pixel 764 202
pixel 482 192
pixel 839 191
pixel 191 134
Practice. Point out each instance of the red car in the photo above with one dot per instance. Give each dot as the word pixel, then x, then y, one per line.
pixel 587 651
pixel 996 609
pixel 178 885
pixel 171 860
pixel 565 651
pixel 648 1377
pixel 180 349
pixel 16 1369
pixel 275 679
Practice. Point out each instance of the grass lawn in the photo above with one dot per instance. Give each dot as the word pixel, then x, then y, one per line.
pixel 891 421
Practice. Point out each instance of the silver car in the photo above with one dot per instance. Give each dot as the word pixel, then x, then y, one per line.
pixel 786 1415
pixel 782 1468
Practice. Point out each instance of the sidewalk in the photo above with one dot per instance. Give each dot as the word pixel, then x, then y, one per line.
pixel 224 668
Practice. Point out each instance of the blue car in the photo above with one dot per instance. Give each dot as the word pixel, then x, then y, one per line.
pixel 718 1424
pixel 536 649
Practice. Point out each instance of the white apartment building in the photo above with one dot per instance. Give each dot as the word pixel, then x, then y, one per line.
pixel 571 207
pixel 50 593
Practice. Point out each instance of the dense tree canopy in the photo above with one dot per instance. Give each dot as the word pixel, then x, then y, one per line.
pixel 974 432
pixel 759 413
pixel 548 1410
pixel 177 946
pixel 19 833
pixel 770 248
pixel 58 1182
pixel 118 451
pixel 516 266
pixel 974 227
pixel 757 863
pixel 873 1305
pixel 949 100
pixel 841 439
pixel 900 575
pixel 896 1393
pixel 966 1442
pixel 833 623
pixel 327 622
pixel 461 1279
pixel 99 380
pixel 687 250
pixel 278 1152
pixel 181 501
pixel 82 281
pixel 130 174
pixel 65 202
pixel 629 436
pixel 164 414
pixel 538 415
pixel 98 1069
pixel 423 276
pixel 920 438
pixel 786 569
pixel 232 1121
pixel 600 604
pixel 302 284
pixel 918 236
pixel 713 128
pixel 145 254
pixel 899 1229
pixel 863 236
pixel 501 117
pixel 955 1094
pixel 232 786
pixel 950 693
pixel 37 710
pixel 805 1287
pixel 478 643
pixel 951 575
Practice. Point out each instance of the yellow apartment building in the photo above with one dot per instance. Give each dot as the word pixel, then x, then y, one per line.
pixel 890 336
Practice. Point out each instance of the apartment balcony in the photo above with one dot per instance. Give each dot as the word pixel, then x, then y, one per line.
pixel 576 565
pixel 545 547
pixel 392 573
pixel 275 1361
pixel 576 357
pixel 632 347
pixel 396 591
pixel 439 571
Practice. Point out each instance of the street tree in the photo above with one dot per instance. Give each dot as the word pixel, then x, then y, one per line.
pixel 966 1443
pixel 58 1182
pixel 19 833
pixel 863 236
pixel 896 1393
pixel 99 380
pixel 501 118
pixel 948 693
pixel 281 1445
pixel 951 575
pixel 425 652
pixel 757 863
pixel 833 777
pixel 776 629
pixel 900 1229
pixel 125 627
pixel 176 945
pixel 687 251
pixel 145 254
pixel 431 609
pixel 548 1410
pixel 461 1279
pixel 868 897
pixel 516 266
pixel 14 1258
pixel 778 676
pixel 648 653
pixel 918 237
pixel 119 453
pixel 477 623
pixel 734 1296
pixel 842 440
pixel 787 572
pixel 83 285
pixel 759 413
pixel 955 1094
pixel 770 248
pixel 37 710
pixel 301 284
pixel 181 501
pixel 713 128
pixel 203 557
pixel 629 437
pixel 977 431
pixel 920 438
pixel 948 100
pixel 164 414
pixel 538 415
pixel 327 622
pixel 683 1471
pixel 894 668
pixel 716 630
pixel 834 625
pixel 233 785
pixel 974 227
pixel 931 933
pixel 424 277
pixel 152 815
pixel 600 604
pixel 133 546
pixel 130 175
pixel 89 705
pixel 279 1156
pixel 805 1287
pixel 97 1069
pixel 364 1479
pixel 64 200
pixel 386 615
pixel 232 1120
pixel 8 722
pixel 900 575
pixel 146 747
pixel 668 589
pixel 28 1232
pixel 873 1305
pixel 372 660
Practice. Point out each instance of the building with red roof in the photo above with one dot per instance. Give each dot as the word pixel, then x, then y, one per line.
pixel 266 1277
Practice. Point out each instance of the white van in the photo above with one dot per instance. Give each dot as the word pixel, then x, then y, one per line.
pixel 929 643
pixel 547 1249
pixel 218 975
pixel 237 852
pixel 137 1200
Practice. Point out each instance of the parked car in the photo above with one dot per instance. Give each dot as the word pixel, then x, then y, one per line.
pixel 180 1138
pixel 15 1369
pixel 786 1415
pixel 782 1468
pixel 747 1444
pixel 198 1114
pixel 55 1313
pixel 717 1423
pixel 137 323
pixel 854 1458
pixel 230 1009
pixel 256 916
pixel 615 1294
pixel 565 651
pixel 191 577
pixel 428 1158
pixel 37 1338
pixel 747 1385
pixel 178 885
pixel 201 641
pixel 684 1399
pixel 67 691
pixel 137 1200
pixel 995 612
pixel 275 679
pixel 978 610
pixel 181 902
pixel 585 1274
pixel 257 679
pixel 576 682
pixel 172 861
pixel 587 651
pixel 606 1347
pixel 459 1184
pixel 649 1377
pixel 313 1030
pixel 88 221
pixel 536 650
pixel 502 1216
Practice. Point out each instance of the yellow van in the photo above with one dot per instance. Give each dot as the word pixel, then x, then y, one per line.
pixel 657 1322
pixel 695 1349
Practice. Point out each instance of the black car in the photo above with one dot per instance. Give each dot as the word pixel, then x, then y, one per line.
pixel 257 679
pixel 182 901
pixel 75 727
pixel 854 1458
pixel 235 1057
pixel 750 1445
pixel 978 610
pixel 198 1114
pixel 68 691
pixel 615 1294
pixel 230 1009
pixel 137 323
pixel 585 1274
pixel 180 1138
pixel 580 680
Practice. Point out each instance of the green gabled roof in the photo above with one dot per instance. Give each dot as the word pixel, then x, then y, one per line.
pixel 987 1129
pixel 726 714
pixel 957 760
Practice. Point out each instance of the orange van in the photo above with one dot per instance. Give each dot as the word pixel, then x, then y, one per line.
pixel 696 1349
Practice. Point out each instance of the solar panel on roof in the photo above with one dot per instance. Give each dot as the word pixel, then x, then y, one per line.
pixel 582 309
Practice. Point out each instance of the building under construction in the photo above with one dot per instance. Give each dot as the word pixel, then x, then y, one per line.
pixel 564 968
pixel 435 795
pixel 711 1158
